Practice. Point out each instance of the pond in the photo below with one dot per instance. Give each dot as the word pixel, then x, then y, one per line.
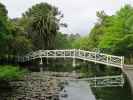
pixel 114 93
pixel 82 91
pixel 78 91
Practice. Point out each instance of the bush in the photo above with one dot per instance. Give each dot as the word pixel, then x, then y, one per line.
pixel 8 72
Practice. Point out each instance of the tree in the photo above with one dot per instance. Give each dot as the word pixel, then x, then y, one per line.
pixel 4 32
pixel 125 47
pixel 20 44
pixel 91 41
pixel 114 33
pixel 62 41
pixel 3 11
pixel 43 25
pixel 118 30
pixel 81 43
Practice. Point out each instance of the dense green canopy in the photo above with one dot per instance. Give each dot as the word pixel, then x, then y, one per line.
pixel 112 34
pixel 43 25
pixel 4 32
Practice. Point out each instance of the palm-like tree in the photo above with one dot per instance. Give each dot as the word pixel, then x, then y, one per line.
pixel 44 25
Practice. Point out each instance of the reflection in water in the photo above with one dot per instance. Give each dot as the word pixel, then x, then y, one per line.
pixel 114 93
pixel 78 91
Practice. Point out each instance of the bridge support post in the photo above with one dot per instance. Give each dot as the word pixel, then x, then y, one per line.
pixel 41 65
pixel 74 63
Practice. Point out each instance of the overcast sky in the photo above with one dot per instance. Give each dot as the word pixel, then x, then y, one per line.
pixel 80 15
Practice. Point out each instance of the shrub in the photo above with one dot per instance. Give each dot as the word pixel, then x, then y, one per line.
pixel 8 72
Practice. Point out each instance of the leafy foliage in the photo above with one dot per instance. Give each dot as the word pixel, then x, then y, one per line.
pixel 65 41
pixel 8 72
pixel 112 34
pixel 43 25
pixel 81 43
pixel 118 34
pixel 3 11
pixel 4 33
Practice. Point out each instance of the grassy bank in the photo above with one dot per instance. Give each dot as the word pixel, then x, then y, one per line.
pixel 9 72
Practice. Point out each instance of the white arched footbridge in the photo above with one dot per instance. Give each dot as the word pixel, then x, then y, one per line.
pixel 101 58
pixel 96 57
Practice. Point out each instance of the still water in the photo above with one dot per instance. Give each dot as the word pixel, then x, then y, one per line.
pixel 82 91
pixel 78 91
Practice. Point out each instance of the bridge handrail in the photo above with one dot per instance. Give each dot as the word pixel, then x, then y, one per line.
pixel 76 50
pixel 117 61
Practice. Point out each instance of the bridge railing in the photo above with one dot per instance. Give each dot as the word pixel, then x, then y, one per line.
pixel 117 61
pixel 100 58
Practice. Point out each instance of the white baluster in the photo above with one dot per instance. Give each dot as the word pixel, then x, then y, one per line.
pixel 74 62
pixel 41 63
